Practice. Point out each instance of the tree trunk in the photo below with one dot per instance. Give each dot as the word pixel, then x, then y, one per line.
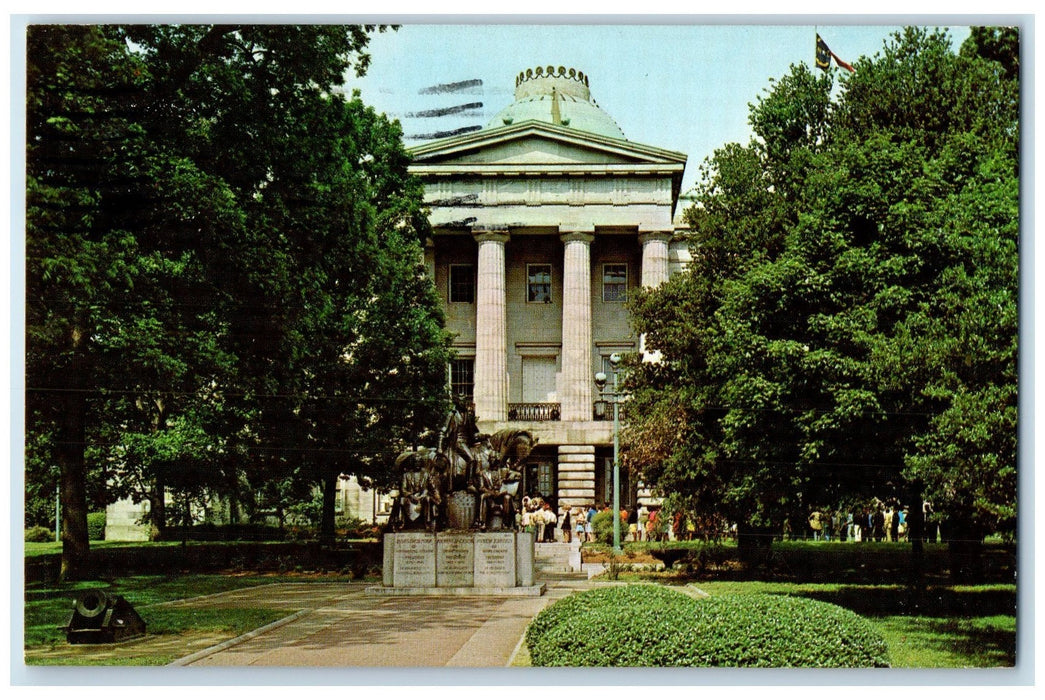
pixel 158 508
pixel 915 533
pixel 326 522
pixel 71 443
pixel 158 496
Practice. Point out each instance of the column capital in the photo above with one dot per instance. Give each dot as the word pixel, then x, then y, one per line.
pixel 646 236
pixel 495 235
pixel 571 236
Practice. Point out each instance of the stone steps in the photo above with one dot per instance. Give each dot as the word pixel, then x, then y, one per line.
pixel 557 557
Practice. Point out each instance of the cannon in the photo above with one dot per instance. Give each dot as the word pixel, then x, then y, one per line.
pixel 100 617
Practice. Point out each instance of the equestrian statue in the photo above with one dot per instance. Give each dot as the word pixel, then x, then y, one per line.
pixel 485 468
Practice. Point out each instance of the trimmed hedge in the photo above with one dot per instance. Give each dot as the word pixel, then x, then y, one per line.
pixel 209 532
pixel 39 533
pixel 149 559
pixel 655 626
pixel 96 526
pixel 632 596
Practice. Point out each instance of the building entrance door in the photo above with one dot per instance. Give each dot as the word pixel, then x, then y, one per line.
pixel 539 479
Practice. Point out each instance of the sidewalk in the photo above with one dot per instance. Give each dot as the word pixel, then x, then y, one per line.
pixel 339 625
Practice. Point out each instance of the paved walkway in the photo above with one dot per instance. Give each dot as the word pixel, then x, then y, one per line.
pixel 340 625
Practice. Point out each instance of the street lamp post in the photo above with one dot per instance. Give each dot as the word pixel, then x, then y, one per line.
pixel 600 382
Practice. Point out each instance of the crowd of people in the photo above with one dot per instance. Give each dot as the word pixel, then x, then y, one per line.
pixel 876 521
pixel 568 524
pixel 549 525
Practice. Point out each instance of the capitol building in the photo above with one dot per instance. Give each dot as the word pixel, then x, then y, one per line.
pixel 544 222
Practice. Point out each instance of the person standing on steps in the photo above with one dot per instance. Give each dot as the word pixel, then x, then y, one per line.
pixel 548 517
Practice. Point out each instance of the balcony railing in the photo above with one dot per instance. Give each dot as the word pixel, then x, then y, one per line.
pixel 534 411
pixel 603 410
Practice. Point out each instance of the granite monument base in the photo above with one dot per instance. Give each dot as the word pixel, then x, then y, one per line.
pixel 459 563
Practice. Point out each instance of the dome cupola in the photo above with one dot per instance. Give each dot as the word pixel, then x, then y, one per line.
pixel 559 96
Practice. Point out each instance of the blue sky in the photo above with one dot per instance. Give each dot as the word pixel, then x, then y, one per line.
pixel 684 87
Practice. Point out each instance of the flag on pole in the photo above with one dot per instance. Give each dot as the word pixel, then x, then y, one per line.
pixel 825 54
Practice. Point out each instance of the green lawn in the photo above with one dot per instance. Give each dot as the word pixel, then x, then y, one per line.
pixel 951 627
pixel 48 608
pixel 948 626
pixel 952 637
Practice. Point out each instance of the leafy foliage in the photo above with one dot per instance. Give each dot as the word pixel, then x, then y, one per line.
pixel 38 533
pixel 602 526
pixel 96 525
pixel 849 323
pixel 654 626
pixel 223 268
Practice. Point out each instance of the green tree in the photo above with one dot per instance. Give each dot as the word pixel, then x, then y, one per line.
pixel 81 82
pixel 177 288
pixel 366 368
pixel 851 311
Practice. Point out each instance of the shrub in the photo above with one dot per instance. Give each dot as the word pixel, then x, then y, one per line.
pixel 602 526
pixel 357 528
pixel 633 626
pixel 39 533
pixel 574 605
pixel 209 532
pixel 96 526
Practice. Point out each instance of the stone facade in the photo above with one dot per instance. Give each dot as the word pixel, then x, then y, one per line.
pixel 555 218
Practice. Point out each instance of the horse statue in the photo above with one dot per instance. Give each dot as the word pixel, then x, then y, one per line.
pixel 497 474
pixel 422 488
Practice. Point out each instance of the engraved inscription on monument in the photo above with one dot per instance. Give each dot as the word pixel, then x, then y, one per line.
pixel 495 559
pixel 455 560
pixel 414 559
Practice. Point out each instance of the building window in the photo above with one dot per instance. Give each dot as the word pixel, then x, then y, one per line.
pixel 462 377
pixel 615 282
pixel 539 284
pixel 462 284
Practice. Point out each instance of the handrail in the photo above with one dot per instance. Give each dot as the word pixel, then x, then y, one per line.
pixel 538 412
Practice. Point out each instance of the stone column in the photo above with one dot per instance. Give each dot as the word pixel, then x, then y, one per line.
pixel 654 273
pixel 654 257
pixel 575 387
pixel 491 341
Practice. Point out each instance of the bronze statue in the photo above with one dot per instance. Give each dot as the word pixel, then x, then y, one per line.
pixel 463 461
pixel 421 490
pixel 498 457
pixel 455 442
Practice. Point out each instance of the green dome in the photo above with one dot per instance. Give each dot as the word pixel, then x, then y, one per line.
pixel 558 96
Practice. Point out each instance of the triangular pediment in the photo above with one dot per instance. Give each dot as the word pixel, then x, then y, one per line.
pixel 539 143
